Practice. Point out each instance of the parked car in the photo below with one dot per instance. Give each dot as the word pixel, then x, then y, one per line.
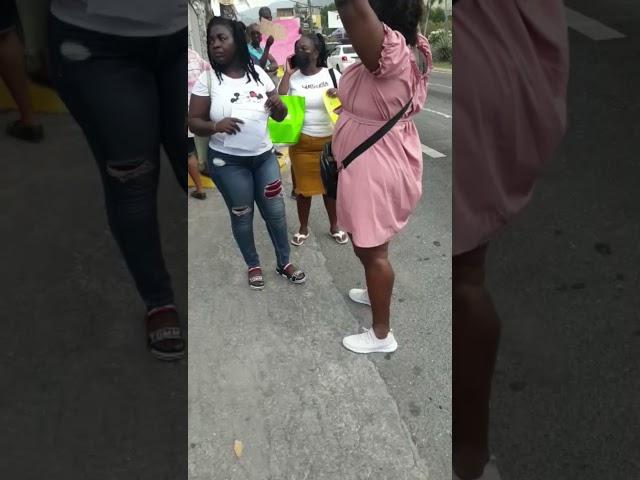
pixel 342 57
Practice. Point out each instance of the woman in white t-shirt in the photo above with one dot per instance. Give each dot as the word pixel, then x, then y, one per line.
pixel 234 113
pixel 306 75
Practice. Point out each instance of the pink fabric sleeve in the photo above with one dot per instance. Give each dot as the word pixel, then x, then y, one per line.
pixel 424 46
pixel 205 65
pixel 395 56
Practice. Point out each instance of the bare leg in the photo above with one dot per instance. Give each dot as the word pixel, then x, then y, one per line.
pixel 330 205
pixel 304 207
pixel 194 172
pixel 13 71
pixel 476 333
pixel 380 278
pixel 293 181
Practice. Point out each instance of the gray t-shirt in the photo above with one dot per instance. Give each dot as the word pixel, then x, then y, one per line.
pixel 130 18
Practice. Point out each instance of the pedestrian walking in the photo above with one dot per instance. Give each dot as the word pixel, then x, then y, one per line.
pixel 496 167
pixel 13 71
pixel 242 163
pixel 197 66
pixel 121 71
pixel 307 75
pixel 378 192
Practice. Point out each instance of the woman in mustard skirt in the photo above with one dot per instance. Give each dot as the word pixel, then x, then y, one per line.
pixel 306 75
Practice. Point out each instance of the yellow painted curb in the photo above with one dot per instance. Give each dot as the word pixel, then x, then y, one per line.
pixel 206 182
pixel 44 100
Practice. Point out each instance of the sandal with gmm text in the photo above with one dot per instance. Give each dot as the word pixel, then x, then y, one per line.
pixel 292 274
pixel 165 342
pixel 256 281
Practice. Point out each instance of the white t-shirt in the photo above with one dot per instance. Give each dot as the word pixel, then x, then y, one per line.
pixel 236 92
pixel 129 18
pixel 317 122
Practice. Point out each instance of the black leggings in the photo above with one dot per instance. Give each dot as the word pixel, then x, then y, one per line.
pixel 129 96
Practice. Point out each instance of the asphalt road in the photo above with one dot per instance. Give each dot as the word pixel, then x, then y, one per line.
pixel 418 375
pixel 565 278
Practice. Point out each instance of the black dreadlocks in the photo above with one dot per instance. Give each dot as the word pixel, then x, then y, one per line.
pixel 238 31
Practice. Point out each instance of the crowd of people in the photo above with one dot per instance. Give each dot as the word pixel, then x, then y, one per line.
pixel 239 90
pixel 120 70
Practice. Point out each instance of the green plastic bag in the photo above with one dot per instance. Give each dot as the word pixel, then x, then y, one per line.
pixel 288 131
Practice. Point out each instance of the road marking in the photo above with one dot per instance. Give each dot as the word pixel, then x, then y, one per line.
pixel 440 85
pixel 431 152
pixel 436 112
pixel 590 27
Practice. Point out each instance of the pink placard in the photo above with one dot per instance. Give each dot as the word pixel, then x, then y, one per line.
pixel 283 48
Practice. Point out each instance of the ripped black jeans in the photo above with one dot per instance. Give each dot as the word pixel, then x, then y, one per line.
pixel 129 96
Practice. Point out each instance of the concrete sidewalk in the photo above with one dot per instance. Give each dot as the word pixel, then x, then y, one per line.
pixel 268 369
pixel 81 396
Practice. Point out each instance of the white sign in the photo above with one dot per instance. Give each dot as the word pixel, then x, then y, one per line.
pixel 334 20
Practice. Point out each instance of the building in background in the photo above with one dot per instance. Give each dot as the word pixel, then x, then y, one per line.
pixel 310 16
pixel 285 12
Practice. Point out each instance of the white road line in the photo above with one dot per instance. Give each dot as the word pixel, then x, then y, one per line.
pixel 590 27
pixel 431 152
pixel 436 112
pixel 440 85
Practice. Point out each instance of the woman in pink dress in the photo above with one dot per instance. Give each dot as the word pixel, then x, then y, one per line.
pixel 509 107
pixel 381 188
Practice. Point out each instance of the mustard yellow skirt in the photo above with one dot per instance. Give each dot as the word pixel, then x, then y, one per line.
pixel 305 161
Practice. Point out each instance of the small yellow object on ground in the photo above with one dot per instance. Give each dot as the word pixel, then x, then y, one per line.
pixel 237 448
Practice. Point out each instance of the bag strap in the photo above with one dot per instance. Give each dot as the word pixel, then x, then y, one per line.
pixel 369 142
pixel 333 78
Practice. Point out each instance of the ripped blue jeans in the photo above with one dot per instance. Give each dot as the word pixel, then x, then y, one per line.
pixel 243 183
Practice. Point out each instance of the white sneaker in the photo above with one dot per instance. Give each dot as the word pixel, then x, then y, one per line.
pixel 359 295
pixel 490 472
pixel 367 342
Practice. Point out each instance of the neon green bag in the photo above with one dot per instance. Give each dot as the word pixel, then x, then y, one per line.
pixel 288 131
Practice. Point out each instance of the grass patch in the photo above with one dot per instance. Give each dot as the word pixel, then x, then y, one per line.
pixel 443 65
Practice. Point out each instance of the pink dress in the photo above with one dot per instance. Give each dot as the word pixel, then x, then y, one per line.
pixel 509 109
pixel 378 192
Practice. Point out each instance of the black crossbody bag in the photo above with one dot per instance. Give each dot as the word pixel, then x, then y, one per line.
pixel 329 168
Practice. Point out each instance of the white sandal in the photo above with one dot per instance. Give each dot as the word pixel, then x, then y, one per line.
pixel 340 237
pixel 299 239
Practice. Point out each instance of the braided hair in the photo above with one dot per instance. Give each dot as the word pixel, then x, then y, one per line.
pixel 238 31
pixel 321 47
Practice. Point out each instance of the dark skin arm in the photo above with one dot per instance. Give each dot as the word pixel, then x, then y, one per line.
pixel 200 121
pixel 364 29
pixel 277 109
pixel 274 64
pixel 267 57
pixel 283 88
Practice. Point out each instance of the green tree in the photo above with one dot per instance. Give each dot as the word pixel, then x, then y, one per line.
pixel 438 15
pixel 431 5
